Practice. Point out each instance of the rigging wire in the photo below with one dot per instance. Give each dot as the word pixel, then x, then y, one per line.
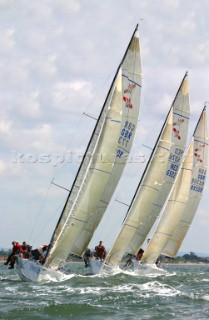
pixel 78 125
pixel 39 213
pixel 49 220
pixel 66 150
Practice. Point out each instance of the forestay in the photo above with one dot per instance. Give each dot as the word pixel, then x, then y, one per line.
pixel 157 179
pixel 185 197
pixel 103 162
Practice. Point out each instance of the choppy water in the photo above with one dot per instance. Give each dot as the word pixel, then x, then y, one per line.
pixel 183 294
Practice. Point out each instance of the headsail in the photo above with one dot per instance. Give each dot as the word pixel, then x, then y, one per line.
pixel 184 199
pixel 103 162
pixel 157 179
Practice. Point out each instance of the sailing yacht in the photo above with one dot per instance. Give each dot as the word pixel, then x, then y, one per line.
pixel 155 184
pixel 96 179
pixel 184 199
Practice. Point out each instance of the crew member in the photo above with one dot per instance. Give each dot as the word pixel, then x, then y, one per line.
pixel 137 257
pixel 100 251
pixel 40 253
pixel 25 250
pixel 12 257
pixel 139 254
pixel 86 256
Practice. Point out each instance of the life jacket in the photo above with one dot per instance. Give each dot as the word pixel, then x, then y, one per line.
pixel 100 251
pixel 16 248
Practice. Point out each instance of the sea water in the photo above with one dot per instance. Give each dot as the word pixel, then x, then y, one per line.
pixel 183 293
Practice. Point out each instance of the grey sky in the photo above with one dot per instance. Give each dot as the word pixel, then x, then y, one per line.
pixel 57 59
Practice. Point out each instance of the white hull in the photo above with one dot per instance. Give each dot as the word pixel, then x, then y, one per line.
pixel 146 269
pixel 31 270
pixel 98 267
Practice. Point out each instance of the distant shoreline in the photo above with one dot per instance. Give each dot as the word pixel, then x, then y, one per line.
pixel 3 259
pixel 186 264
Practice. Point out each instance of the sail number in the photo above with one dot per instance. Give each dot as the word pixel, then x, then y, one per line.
pixel 196 188
pixel 175 157
pixel 198 183
pixel 119 153
pixel 173 170
pixel 125 136
pixel 201 177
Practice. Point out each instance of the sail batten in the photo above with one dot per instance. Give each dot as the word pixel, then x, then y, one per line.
pixel 103 162
pixel 157 179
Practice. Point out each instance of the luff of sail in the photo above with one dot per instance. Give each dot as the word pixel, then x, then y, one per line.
pixel 103 162
pixel 185 197
pixel 157 179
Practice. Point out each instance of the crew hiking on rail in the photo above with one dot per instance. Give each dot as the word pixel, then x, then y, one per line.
pixel 99 253
pixel 25 250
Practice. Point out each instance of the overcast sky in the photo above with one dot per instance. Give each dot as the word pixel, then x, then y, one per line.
pixel 57 59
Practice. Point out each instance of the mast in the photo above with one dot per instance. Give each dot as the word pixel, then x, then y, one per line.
pixel 155 146
pixel 115 114
pixel 111 86
pixel 182 204
pixel 157 179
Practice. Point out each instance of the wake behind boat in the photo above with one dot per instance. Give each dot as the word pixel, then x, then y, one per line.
pixel 96 180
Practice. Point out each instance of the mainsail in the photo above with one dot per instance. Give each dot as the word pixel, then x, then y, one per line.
pixel 157 180
pixel 103 161
pixel 184 199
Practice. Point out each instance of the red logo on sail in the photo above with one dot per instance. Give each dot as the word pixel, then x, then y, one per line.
pixel 177 127
pixel 128 102
pixel 128 91
pixel 198 151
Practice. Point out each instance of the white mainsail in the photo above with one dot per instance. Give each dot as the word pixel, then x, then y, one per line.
pixel 157 180
pixel 103 162
pixel 184 199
